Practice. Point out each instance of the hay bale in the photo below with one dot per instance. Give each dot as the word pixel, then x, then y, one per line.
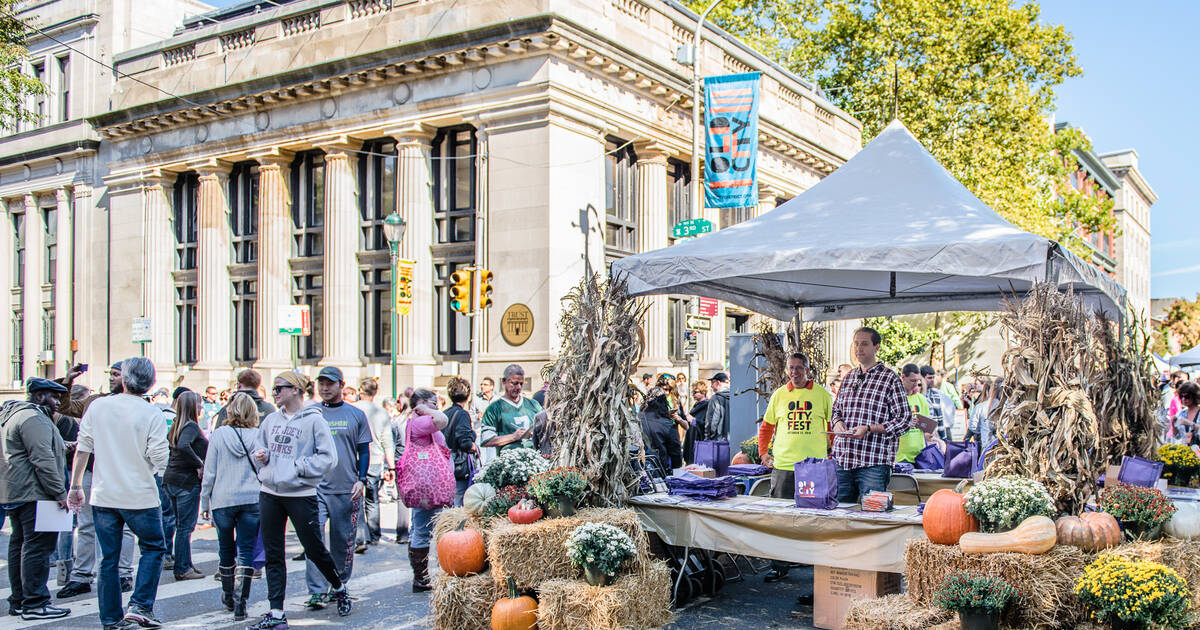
pixel 449 518
pixel 464 603
pixel 537 552
pixel 1046 581
pixel 1184 557
pixel 637 600
pixel 894 612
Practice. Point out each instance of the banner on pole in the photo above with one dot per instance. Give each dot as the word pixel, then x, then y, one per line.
pixel 731 147
pixel 404 288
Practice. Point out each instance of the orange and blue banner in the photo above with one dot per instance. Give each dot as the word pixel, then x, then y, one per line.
pixel 731 146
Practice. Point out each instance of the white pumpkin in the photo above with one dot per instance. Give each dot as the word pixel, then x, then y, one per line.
pixel 1186 522
pixel 477 496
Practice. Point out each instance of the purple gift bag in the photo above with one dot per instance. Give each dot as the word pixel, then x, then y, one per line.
pixel 930 458
pixel 961 458
pixel 1136 471
pixel 714 454
pixel 260 554
pixel 816 484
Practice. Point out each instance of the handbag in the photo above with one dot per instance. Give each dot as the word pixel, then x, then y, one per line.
pixel 714 454
pixel 424 474
pixel 930 458
pixel 1137 471
pixel 260 552
pixel 816 483
pixel 461 459
pixel 961 459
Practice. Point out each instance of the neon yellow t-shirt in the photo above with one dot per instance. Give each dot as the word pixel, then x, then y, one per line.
pixel 801 418
pixel 912 442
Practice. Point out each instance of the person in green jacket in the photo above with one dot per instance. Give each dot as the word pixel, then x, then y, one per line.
pixel 508 421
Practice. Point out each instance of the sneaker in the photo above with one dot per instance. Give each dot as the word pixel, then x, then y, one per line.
pixel 142 617
pixel 14 611
pixel 74 589
pixel 300 557
pixel 192 574
pixel 270 622
pixel 126 584
pixel 46 611
pixel 318 601
pixel 123 624
pixel 362 548
pixel 168 562
pixel 342 598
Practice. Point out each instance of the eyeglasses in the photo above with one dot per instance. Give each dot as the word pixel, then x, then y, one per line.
pixel 279 388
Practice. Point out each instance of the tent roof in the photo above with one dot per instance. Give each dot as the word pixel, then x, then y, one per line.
pixel 1186 359
pixel 890 232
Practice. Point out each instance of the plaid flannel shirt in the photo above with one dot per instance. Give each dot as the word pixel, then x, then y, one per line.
pixel 874 397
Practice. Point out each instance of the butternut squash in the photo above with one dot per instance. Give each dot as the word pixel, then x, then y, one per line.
pixel 1034 535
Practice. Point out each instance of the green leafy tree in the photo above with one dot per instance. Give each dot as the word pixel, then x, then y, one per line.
pixel 1182 321
pixel 15 86
pixel 972 79
pixel 900 339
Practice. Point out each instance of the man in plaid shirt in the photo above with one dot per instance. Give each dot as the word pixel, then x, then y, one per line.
pixel 870 414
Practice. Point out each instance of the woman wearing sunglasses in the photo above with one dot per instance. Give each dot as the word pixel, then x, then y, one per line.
pixel 1189 414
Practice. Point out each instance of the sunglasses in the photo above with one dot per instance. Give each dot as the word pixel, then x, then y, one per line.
pixel 279 388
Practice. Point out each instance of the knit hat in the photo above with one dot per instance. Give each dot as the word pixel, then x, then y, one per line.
pixel 295 379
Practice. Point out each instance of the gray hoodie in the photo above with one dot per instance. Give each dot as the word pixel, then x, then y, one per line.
pixel 299 449
pixel 229 477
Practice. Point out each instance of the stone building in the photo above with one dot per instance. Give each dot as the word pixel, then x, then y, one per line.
pixel 1132 250
pixel 540 138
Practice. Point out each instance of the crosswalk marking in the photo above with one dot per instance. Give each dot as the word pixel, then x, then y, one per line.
pixel 197 560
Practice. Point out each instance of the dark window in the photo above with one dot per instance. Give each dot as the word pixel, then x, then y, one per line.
pixel 734 216
pixel 243 212
pixel 454 328
pixel 308 207
pixel 185 317
pixel 377 312
pixel 309 290
pixel 18 355
pixel 18 220
pixel 679 191
pixel 50 220
pixel 620 194
pixel 454 184
pixel 245 295
pixel 736 323
pixel 64 87
pixel 677 310
pixel 39 100
pixel 186 213
pixel 376 191
pixel 48 331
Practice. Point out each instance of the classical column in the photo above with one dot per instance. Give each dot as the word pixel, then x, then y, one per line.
pixel 766 201
pixel 158 297
pixel 82 264
pixel 64 311
pixel 34 278
pixel 414 192
pixel 274 249
pixel 7 282
pixel 652 234
pixel 342 219
pixel 214 293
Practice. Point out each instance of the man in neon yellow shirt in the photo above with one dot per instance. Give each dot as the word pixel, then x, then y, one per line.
pixel 912 442
pixel 798 418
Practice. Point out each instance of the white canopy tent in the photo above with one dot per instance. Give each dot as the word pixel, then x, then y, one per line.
pixel 889 233
pixel 1190 358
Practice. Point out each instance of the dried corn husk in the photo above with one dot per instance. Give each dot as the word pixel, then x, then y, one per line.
pixel 1126 391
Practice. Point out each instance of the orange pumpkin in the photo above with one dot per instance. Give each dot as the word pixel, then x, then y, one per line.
pixel 945 518
pixel 461 551
pixel 1091 532
pixel 524 512
pixel 741 459
pixel 515 612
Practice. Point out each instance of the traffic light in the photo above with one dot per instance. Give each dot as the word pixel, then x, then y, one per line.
pixel 460 291
pixel 485 288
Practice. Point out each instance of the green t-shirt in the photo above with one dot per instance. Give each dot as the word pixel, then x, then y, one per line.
pixel 504 417
pixel 801 418
pixel 912 442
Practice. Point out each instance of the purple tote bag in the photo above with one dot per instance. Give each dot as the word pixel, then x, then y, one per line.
pixel 1136 471
pixel 714 454
pixel 816 484
pixel 961 458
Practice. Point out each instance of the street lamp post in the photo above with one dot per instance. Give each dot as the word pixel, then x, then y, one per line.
pixel 393 231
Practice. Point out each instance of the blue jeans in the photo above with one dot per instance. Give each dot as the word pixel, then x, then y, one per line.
pixel 855 482
pixel 168 514
pixel 147 526
pixel 185 503
pixel 422 527
pixel 236 523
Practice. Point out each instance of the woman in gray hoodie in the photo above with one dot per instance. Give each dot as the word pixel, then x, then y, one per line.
pixel 294 449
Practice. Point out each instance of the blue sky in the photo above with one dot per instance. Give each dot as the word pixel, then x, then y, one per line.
pixel 1139 90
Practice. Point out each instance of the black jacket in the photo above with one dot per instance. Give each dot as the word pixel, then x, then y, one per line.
pixel 187 457
pixel 716 417
pixel 460 438
pixel 264 408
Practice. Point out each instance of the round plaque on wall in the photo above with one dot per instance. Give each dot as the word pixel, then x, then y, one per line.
pixel 516 325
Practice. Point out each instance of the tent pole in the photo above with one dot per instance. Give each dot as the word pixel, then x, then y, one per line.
pixel 797 321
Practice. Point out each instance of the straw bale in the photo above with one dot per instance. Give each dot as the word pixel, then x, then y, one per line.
pixel 537 552
pixel 449 518
pixel 894 612
pixel 464 603
pixel 636 601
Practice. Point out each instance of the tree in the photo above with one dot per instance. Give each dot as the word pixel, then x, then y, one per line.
pixel 15 86
pixel 1182 321
pixel 972 79
pixel 900 339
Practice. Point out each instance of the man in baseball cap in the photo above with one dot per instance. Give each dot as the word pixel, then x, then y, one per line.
pixel 716 419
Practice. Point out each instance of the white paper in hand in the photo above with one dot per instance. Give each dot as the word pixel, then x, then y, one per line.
pixel 51 518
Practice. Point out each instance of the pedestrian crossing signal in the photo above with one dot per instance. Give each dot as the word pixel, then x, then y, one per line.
pixel 485 288
pixel 460 291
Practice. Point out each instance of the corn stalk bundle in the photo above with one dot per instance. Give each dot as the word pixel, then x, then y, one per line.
pixel 591 418
pixel 1047 428
pixel 1125 393
pixel 770 361
pixel 811 341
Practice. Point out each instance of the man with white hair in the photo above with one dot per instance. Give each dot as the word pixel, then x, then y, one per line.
pixel 508 421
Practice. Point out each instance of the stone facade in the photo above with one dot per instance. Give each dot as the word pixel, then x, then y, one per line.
pixel 1132 207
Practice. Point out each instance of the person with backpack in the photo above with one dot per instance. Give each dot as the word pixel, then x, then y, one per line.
pixel 425 479
pixel 460 437
pixel 229 494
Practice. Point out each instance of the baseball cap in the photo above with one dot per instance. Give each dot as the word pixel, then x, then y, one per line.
pixel 331 373
pixel 719 376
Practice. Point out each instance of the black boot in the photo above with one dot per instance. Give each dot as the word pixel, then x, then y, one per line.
pixel 418 558
pixel 226 574
pixel 242 595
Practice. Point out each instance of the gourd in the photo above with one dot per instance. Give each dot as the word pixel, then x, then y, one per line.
pixel 1185 523
pixel 1034 535
pixel 945 518
pixel 524 512
pixel 741 459
pixel 476 498
pixel 1091 532
pixel 460 551
pixel 515 612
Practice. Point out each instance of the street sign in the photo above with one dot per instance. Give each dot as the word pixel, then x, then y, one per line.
pixel 708 307
pixel 295 319
pixel 141 330
pixel 691 227
pixel 698 322
pixel 691 340
pixel 404 288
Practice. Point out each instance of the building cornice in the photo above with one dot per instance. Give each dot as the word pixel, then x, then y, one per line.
pixel 78 148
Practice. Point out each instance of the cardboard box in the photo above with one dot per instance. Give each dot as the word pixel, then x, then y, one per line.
pixel 703 471
pixel 834 589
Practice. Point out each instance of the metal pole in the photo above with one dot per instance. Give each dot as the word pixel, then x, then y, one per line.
pixel 476 315
pixel 395 316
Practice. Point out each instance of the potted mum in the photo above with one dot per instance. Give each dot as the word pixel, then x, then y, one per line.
pixel 512 467
pixel 1180 463
pixel 1141 511
pixel 1001 504
pixel 600 549
pixel 1129 593
pixel 978 599
pixel 558 490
